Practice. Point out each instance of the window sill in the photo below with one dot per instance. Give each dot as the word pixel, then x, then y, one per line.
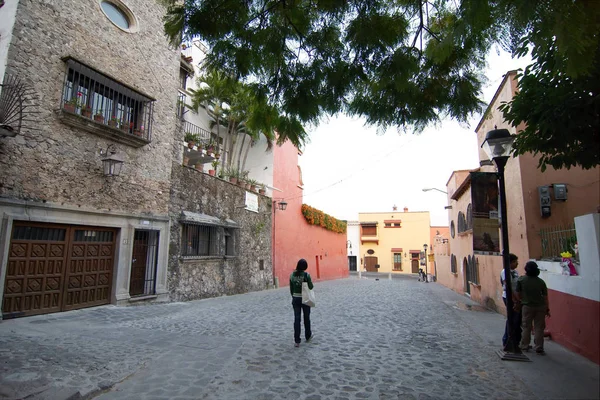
pixel 454 273
pixel 475 285
pixel 205 258
pixel 96 128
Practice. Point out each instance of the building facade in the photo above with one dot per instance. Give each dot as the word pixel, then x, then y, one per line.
pixel 71 236
pixel 542 208
pixel 393 241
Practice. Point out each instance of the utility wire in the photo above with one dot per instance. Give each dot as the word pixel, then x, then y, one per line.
pixel 393 151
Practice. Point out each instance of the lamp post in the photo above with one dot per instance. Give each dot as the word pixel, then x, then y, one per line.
pixel 498 147
pixel 425 252
pixel 282 205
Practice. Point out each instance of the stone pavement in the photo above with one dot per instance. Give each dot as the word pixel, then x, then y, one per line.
pixel 374 339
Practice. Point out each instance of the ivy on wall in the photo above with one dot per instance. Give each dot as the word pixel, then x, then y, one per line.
pixel 319 218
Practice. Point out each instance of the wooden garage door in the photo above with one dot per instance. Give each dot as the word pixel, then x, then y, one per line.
pixel 57 268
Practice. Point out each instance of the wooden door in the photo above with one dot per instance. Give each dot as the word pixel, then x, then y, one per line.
pixel 138 263
pixel 370 262
pixel 55 267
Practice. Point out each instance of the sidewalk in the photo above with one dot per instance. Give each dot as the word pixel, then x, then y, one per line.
pixel 560 374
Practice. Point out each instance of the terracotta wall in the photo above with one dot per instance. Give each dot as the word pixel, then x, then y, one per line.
pixel 294 238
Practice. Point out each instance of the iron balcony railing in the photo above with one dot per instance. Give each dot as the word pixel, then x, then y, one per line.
pixel 203 134
pixel 558 239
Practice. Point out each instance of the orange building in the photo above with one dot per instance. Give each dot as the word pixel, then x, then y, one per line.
pixel 293 236
pixel 565 195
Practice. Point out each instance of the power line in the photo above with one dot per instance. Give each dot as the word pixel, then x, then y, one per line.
pixel 378 160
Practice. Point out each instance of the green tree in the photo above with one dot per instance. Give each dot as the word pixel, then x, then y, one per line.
pixel 239 110
pixel 405 63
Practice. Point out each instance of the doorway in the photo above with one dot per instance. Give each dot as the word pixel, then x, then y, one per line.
pixel 352 263
pixel 143 263
pixel 370 263
pixel 467 274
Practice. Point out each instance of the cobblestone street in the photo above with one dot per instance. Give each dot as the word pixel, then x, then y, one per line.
pixel 374 339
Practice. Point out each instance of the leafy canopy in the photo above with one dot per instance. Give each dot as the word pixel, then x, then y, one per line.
pixel 404 63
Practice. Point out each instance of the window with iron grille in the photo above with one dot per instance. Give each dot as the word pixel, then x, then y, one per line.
pixel 397 261
pixel 94 95
pixel 199 240
pixel 208 240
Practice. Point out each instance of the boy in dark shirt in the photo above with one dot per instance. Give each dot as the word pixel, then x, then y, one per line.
pixel 532 294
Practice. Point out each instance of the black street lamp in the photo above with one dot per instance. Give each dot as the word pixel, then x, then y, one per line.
pixel 498 147
pixel 425 252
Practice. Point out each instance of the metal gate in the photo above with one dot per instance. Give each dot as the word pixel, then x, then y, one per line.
pixel 352 263
pixel 57 268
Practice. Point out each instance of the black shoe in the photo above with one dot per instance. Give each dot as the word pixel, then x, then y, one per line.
pixel 310 338
pixel 540 351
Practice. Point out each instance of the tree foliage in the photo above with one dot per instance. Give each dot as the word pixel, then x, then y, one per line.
pixel 404 63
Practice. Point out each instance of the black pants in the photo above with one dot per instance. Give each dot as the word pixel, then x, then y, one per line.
pixel 517 317
pixel 298 309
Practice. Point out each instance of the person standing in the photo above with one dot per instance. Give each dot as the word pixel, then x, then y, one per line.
pixel 514 275
pixel 532 293
pixel 296 279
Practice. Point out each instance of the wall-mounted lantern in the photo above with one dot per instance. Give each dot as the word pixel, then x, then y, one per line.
pixel 111 163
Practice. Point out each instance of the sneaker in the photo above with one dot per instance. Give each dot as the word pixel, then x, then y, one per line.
pixel 540 351
pixel 296 344
pixel 310 338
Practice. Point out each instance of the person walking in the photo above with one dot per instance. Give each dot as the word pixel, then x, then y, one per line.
pixel 514 275
pixel 296 279
pixel 532 293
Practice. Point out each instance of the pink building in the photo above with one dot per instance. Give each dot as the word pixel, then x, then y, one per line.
pixel 535 233
pixel 293 236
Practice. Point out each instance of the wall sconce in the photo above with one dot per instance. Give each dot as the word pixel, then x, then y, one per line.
pixel 111 162
pixel 281 204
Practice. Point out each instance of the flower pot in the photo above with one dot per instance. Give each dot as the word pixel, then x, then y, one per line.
pixel 69 107
pixel 233 180
pixel 113 124
pixel 86 113
pixel 186 160
pixel 198 166
pixel 253 188
pixel 138 132
pixel 217 156
pixel 211 172
pixel 99 118
pixel 191 144
pixel 261 191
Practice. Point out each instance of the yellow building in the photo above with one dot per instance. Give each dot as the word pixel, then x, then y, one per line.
pixel 393 240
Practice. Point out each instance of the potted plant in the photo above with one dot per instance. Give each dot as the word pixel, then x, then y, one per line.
pixel 233 175
pixel 214 166
pixel 210 147
pixel 261 189
pixel 73 104
pixel 113 122
pixel 99 117
pixel 191 139
pixel 139 131
pixel 125 126
pixel 253 184
pixel 86 111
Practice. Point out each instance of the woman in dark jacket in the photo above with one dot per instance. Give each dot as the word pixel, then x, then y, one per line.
pixel 296 278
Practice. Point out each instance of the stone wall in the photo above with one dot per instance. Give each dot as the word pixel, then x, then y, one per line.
pixel 202 277
pixel 59 163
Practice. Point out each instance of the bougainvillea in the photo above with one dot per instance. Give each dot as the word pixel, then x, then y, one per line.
pixel 319 218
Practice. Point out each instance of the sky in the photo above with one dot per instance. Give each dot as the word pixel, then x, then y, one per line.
pixel 349 168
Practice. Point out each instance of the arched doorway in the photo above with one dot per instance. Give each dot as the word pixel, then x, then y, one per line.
pixel 467 274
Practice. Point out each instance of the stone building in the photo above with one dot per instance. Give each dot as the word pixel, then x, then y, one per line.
pixel 105 80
